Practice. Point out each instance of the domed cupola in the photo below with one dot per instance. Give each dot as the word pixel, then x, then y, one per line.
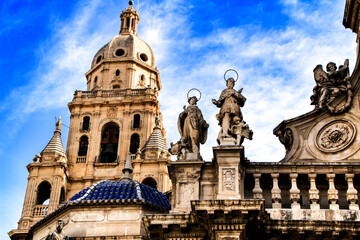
pixel 126 61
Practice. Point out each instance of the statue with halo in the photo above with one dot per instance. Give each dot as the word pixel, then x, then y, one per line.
pixel 193 131
pixel 233 128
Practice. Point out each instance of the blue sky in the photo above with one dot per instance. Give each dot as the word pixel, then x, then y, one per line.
pixel 47 46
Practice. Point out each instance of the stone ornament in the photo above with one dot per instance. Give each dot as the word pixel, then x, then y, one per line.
pixel 233 128
pixel 228 179
pixel 193 131
pixel 112 112
pixel 186 192
pixel 58 234
pixel 285 136
pixel 330 86
pixel 335 136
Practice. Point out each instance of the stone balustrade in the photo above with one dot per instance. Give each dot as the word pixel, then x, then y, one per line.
pixel 304 186
pixel 114 93
pixel 40 210
pixel 81 159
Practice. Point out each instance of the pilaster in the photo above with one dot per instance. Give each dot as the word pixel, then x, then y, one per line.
pixel 228 160
pixel 185 177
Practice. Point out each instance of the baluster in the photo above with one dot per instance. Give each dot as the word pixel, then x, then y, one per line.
pixel 294 192
pixel 313 192
pixel 257 191
pixel 351 193
pixel 332 192
pixel 275 192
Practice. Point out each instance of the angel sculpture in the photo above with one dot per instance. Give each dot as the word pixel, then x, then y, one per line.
pixel 330 85
pixel 193 131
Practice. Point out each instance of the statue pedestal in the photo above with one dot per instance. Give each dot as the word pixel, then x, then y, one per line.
pixel 227 141
pixel 185 177
pixel 190 156
pixel 229 161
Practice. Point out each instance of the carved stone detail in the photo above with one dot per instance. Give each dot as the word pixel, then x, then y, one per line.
pixel 112 111
pixel 285 136
pixel 187 191
pixel 330 86
pixel 228 179
pixel 335 136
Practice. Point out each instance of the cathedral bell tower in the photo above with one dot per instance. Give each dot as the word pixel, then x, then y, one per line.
pixel 47 184
pixel 116 115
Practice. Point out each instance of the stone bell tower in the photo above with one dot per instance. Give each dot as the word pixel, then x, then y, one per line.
pixel 116 115
pixel 47 184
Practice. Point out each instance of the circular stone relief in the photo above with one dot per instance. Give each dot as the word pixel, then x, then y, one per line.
pixel 335 136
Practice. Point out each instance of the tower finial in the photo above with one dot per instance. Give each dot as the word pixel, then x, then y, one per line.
pixel 127 169
pixel 129 20
pixel 58 125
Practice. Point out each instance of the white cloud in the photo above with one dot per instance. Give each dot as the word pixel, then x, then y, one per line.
pixel 275 66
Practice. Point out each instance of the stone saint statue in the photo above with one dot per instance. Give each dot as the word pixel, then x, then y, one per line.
pixel 58 234
pixel 233 128
pixel 193 131
pixel 330 85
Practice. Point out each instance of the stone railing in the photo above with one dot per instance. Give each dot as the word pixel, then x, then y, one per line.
pixel 304 186
pixel 114 93
pixel 40 210
pixel 81 159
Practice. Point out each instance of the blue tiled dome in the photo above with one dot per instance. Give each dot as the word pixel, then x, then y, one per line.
pixel 107 191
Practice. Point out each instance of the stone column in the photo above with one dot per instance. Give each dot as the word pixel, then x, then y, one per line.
pixel 275 191
pixel 313 192
pixel 294 192
pixel 257 191
pixel 228 160
pixel 351 193
pixel 332 192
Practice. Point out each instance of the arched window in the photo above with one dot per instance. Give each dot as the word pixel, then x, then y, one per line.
pixel 95 80
pixel 86 123
pixel 109 143
pixel 150 182
pixel 62 196
pixel 83 146
pixel 136 121
pixel 117 73
pixel 116 86
pixel 43 193
pixel 134 143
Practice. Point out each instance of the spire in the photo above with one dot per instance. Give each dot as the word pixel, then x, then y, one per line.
pixel 129 20
pixel 55 144
pixel 127 169
pixel 156 139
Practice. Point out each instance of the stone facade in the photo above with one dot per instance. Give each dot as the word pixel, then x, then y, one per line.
pixel 311 194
